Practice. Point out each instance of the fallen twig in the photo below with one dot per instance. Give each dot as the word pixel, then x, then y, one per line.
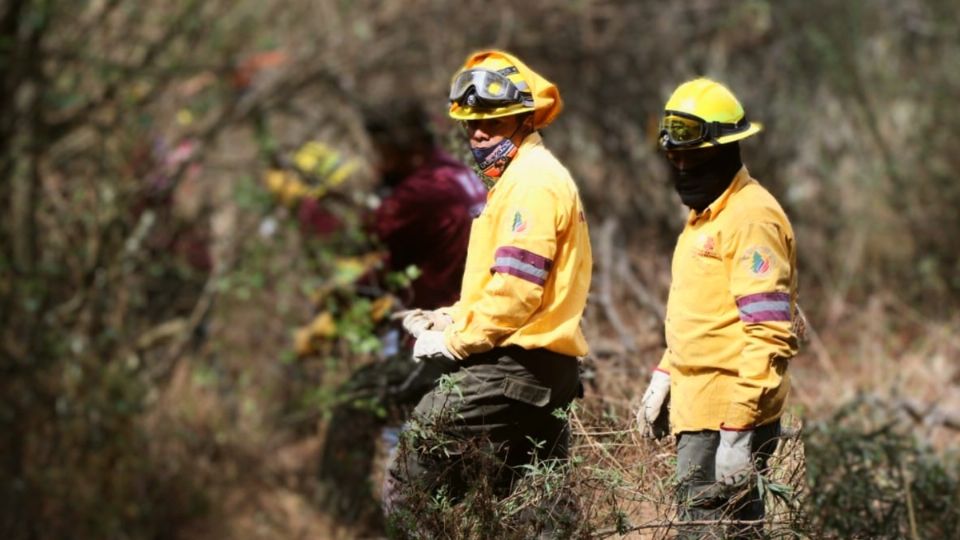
pixel 672 525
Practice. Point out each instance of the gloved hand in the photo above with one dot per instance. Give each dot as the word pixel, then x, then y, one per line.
pixel 430 344
pixel 652 418
pixel 799 324
pixel 440 318
pixel 733 461
pixel 416 321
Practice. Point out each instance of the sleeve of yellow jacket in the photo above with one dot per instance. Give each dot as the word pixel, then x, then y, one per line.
pixel 525 241
pixel 762 281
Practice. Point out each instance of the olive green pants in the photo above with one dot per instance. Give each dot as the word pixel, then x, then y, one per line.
pixel 482 423
pixel 702 499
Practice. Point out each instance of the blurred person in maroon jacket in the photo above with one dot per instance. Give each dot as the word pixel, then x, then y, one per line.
pixel 428 200
pixel 428 204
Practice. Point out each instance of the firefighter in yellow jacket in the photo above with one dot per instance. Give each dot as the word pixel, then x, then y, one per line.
pixel 515 332
pixel 731 303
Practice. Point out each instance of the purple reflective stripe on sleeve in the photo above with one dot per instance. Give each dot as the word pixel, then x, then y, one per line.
pixel 522 264
pixel 764 307
pixel 524 256
pixel 765 316
pixel 522 274
pixel 763 297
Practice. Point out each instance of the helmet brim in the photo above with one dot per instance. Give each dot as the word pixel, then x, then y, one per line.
pixel 475 113
pixel 755 127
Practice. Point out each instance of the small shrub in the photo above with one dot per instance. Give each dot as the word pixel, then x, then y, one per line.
pixel 870 477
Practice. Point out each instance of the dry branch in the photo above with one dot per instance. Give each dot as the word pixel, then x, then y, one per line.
pixel 928 414
pixel 666 526
pixel 605 296
pixel 643 295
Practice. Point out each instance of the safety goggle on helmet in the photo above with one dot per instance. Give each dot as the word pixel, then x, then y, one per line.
pixel 702 113
pixel 485 88
pixel 684 130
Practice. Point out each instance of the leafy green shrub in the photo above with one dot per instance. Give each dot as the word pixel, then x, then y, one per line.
pixel 871 477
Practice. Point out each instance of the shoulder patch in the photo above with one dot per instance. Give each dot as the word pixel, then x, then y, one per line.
pixel 519 222
pixel 758 260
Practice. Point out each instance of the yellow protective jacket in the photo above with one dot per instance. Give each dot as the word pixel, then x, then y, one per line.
pixel 528 262
pixel 728 325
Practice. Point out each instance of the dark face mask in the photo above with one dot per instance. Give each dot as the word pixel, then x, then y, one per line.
pixel 706 176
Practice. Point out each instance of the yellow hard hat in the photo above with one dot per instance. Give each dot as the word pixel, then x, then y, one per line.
pixel 323 168
pixel 493 83
pixel 318 159
pixel 702 113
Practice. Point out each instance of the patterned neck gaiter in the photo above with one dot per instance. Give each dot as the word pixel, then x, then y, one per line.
pixel 494 159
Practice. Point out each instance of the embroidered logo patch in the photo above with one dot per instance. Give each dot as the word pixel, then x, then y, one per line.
pixel 706 246
pixel 519 222
pixel 759 260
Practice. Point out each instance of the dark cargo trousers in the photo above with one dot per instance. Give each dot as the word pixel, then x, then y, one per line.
pixel 702 499
pixel 483 422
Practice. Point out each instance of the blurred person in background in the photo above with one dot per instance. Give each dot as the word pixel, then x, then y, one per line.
pixel 173 210
pixel 515 334
pixel 729 317
pixel 428 201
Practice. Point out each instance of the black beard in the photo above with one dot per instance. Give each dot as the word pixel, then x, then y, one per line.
pixel 700 185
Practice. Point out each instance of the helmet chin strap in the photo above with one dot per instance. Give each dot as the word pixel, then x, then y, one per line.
pixel 516 129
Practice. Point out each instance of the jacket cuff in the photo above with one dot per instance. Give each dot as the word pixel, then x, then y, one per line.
pixel 454 343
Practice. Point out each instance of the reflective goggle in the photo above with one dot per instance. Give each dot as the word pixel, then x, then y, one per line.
pixel 682 130
pixel 490 88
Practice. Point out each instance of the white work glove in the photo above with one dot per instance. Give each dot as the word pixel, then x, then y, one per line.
pixel 417 321
pixel 431 344
pixel 734 461
pixel 653 405
pixel 440 318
